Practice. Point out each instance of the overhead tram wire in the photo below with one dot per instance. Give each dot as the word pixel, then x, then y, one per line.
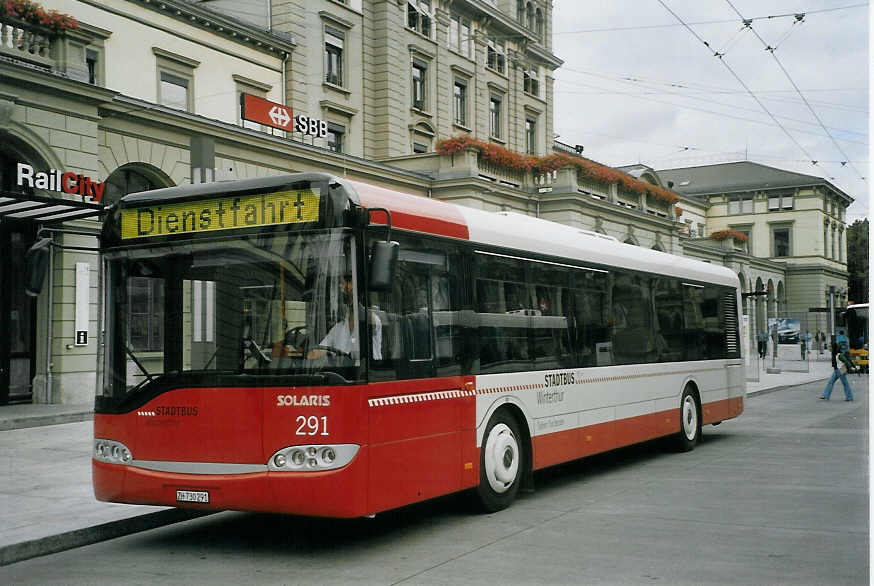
pixel 772 51
pixel 720 56
pixel 688 97
pixel 705 110
pixel 657 26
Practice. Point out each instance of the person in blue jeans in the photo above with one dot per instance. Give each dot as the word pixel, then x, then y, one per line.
pixel 837 363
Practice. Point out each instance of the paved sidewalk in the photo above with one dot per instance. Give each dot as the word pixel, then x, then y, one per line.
pixel 46 500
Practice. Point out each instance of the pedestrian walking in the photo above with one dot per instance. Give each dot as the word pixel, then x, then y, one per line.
pixel 803 344
pixel 820 341
pixel 843 342
pixel 775 337
pixel 762 339
pixel 842 364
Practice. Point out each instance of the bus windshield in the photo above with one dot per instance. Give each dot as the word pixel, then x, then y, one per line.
pixel 276 304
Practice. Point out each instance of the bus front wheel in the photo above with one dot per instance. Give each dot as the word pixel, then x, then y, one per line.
pixel 690 421
pixel 502 461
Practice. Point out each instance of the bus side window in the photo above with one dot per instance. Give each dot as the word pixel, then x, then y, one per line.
pixel 668 300
pixel 631 316
pixel 550 317
pixel 592 344
pixel 504 307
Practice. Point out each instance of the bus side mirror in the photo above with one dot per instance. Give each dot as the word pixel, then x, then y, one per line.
pixel 36 264
pixel 383 260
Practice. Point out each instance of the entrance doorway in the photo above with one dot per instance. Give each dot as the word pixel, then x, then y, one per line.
pixel 17 315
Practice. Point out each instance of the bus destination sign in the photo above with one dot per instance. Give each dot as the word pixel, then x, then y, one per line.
pixel 222 213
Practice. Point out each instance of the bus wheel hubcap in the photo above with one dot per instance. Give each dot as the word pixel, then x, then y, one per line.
pixel 501 458
pixel 690 418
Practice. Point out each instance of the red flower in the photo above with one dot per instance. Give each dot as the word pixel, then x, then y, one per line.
pixel 507 159
pixel 31 12
pixel 725 234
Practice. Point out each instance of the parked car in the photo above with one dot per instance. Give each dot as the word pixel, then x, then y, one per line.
pixel 788 336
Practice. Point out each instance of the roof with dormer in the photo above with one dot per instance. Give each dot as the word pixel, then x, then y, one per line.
pixel 740 176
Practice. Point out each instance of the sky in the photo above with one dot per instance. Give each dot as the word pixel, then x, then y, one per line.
pixel 638 86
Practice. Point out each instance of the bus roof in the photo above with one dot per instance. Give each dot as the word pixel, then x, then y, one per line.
pixel 430 216
pixel 534 235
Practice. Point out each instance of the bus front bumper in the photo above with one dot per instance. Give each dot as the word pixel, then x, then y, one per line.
pixel 332 493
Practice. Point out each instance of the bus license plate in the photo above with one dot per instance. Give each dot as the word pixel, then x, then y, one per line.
pixel 192 496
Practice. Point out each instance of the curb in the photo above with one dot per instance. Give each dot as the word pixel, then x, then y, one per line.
pixel 783 387
pixel 80 537
pixel 43 420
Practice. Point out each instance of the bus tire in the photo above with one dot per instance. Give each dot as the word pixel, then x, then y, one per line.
pixel 502 462
pixel 690 421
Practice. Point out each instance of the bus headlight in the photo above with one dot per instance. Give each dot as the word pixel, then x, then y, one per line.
pixel 314 458
pixel 111 451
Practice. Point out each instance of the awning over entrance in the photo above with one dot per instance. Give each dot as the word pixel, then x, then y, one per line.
pixel 18 206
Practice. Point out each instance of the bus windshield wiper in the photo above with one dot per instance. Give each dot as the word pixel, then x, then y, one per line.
pixel 149 378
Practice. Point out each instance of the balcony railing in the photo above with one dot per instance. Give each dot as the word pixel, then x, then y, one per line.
pixel 492 172
pixel 24 41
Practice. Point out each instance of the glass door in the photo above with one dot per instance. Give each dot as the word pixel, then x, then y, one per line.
pixel 17 316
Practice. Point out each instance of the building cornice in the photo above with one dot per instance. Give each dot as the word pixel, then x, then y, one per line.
pixel 208 20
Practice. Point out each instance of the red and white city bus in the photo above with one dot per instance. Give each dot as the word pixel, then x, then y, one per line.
pixel 307 344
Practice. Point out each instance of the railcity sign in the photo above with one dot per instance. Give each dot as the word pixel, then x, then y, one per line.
pixel 61 181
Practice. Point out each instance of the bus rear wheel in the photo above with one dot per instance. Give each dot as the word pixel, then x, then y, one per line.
pixel 502 461
pixel 690 422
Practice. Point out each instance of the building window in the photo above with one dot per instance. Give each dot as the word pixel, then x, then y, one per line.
pixel 778 202
pixel 334 40
pixel 420 71
pixel 419 16
pixel 459 100
pixel 460 36
pixel 420 148
pixel 495 52
pixel 825 241
pixel 334 139
pixel 530 135
pixel 91 64
pixel 495 117
pixel 740 204
pixel 531 81
pixel 782 237
pixel 175 79
pixel 539 24
pixel 529 16
pixel 174 91
pixel 520 11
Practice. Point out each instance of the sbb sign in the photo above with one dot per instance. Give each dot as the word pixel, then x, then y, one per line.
pixel 255 109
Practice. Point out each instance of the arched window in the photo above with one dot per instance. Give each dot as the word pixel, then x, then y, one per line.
pixel 520 11
pixel 529 16
pixel 539 24
pixel 131 179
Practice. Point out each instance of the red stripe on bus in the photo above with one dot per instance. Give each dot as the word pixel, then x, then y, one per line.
pixel 412 212
pixel 561 446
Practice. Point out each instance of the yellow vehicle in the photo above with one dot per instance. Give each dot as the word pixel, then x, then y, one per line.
pixel 855 320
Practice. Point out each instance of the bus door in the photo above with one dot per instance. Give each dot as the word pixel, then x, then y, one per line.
pixel 418 400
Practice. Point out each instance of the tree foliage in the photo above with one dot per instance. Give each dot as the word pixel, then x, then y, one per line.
pixel 857 261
